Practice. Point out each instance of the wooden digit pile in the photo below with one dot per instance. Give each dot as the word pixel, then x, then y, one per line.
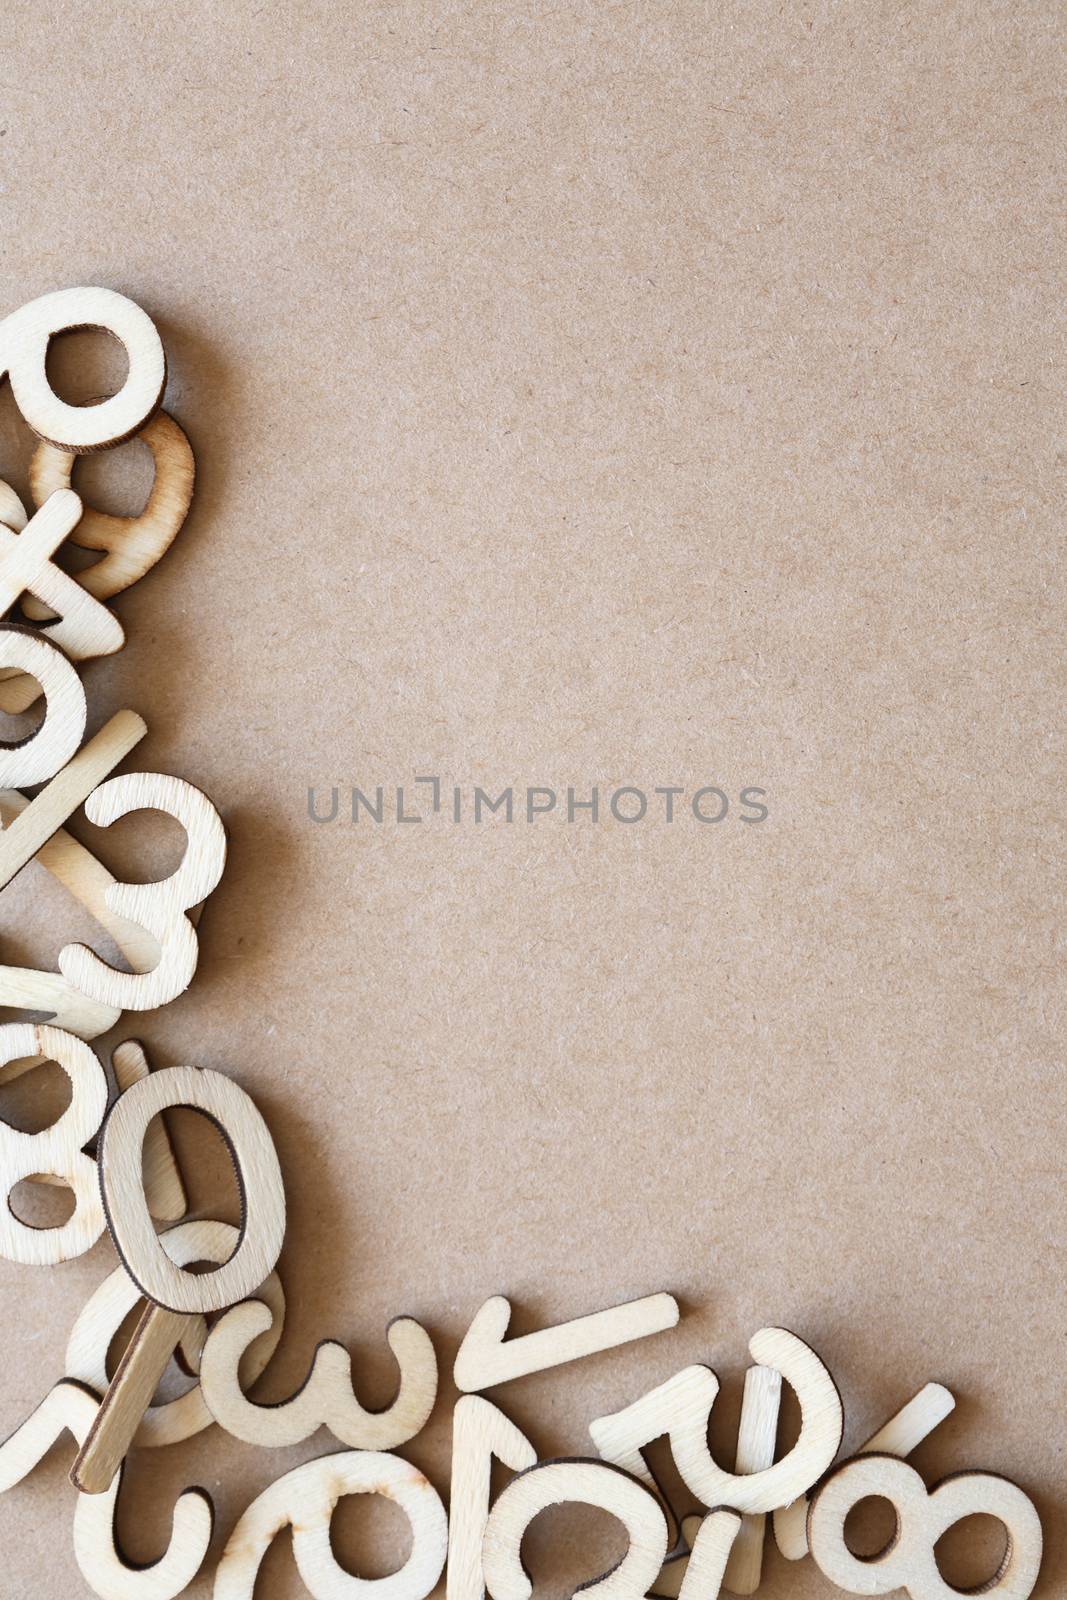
pixel 801 1497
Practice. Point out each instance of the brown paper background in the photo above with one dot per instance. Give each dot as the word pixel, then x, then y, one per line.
pixel 600 393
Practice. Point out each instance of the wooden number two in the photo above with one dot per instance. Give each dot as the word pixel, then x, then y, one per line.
pixel 306 1498
pixel 326 1396
pixel 591 1483
pixel 57 1152
pixel 71 1408
pixel 908 1561
pixel 159 907
pixel 24 339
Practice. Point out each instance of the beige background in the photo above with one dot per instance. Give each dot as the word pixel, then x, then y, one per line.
pixel 618 393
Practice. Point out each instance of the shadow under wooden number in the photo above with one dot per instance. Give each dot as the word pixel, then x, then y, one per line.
pixel 305 1500
pixel 71 1408
pixel 923 1516
pixel 591 1483
pixel 326 1398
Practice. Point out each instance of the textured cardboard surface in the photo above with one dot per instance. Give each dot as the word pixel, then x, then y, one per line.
pixel 601 394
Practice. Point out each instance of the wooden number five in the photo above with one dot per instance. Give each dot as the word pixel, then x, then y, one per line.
pixel 159 907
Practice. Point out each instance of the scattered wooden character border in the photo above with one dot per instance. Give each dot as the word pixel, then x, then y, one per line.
pixel 53 622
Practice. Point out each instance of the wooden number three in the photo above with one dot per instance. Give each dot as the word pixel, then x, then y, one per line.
pixel 591 1483
pixel 306 1498
pixel 56 1152
pixel 24 339
pixel 326 1396
pixel 908 1562
pixel 159 907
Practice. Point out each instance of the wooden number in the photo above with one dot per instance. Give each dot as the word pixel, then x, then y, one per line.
pixel 163 1186
pixel 480 1431
pixel 30 989
pixel 325 1398
pixel 707 1567
pixel 821 1423
pixel 908 1561
pixel 57 1151
pixel 902 1434
pixel 24 340
pixel 37 758
pixel 485 1359
pixel 82 627
pixel 159 907
pixel 622 1436
pixel 106 1310
pixel 591 1483
pixel 305 1499
pixel 71 1408
pixel 176 1295
pixel 668 1585
pixel 40 818
pixel 756 1439
pixel 258 1175
pixel 132 545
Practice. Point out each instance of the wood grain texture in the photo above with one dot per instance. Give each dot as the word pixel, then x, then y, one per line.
pixel 305 1500
pixel 131 545
pixel 481 1433
pixel 71 1408
pixel 172 1421
pixel 708 1568
pixel 33 989
pixel 24 339
pixel 757 1435
pixel 34 824
pixel 128 1396
pixel 160 908
pixel 258 1175
pixel 57 1151
pixel 923 1516
pixel 486 1358
pixel 902 1434
pixel 326 1398
pixel 40 755
pixel 12 511
pixel 163 1186
pixel 591 1483
pixel 79 624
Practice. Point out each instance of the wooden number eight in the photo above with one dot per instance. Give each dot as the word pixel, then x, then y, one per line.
pixel 591 1483
pixel 71 1408
pixel 908 1562
pixel 158 907
pixel 326 1396
pixel 258 1175
pixel 106 1310
pixel 57 1151
pixel 306 1498
pixel 24 339
pixel 39 757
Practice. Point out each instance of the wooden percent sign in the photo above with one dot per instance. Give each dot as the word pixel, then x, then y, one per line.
pixel 54 622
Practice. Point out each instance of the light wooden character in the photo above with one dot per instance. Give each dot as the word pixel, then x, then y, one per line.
pixel 757 1436
pixel 486 1359
pixel 305 1500
pixel 902 1434
pixel 707 1568
pixel 78 623
pixel 176 1295
pixel 159 907
pixel 480 1432
pixel 131 545
pixel 326 1398
pixel 24 339
pixel 908 1561
pixel 49 993
pixel 39 757
pixel 71 1408
pixel 57 1151
pixel 103 1314
pixel 163 1186
pixel 12 511
pixel 592 1483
